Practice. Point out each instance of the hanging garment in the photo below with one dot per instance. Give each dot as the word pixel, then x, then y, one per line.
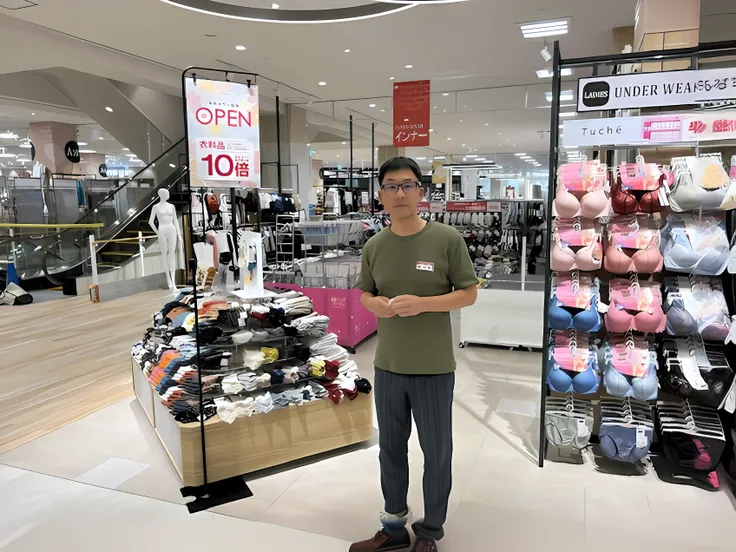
pixel 700 183
pixel 695 245
pixel 634 192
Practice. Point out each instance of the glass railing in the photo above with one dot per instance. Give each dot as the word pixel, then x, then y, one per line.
pixel 53 251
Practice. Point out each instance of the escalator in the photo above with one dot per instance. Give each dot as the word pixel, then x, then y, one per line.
pixel 62 257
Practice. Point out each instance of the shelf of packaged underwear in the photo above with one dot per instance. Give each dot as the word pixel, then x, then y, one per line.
pixel 251 444
pixel 507 313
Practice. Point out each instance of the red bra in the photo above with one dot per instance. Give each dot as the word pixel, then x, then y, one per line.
pixel 626 203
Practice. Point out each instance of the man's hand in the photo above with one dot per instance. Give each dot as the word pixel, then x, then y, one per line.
pixel 407 305
pixel 381 307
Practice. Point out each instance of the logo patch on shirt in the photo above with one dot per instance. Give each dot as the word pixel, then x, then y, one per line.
pixel 421 265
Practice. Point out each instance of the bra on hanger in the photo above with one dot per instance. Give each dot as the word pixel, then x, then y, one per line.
pixel 633 247
pixel 635 307
pixel 581 315
pixel 633 192
pixel 695 245
pixel 581 191
pixel 696 306
pixel 584 236
pixel 700 183
pixel 566 381
pixel 643 388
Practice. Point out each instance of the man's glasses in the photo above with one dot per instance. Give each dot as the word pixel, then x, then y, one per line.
pixel 407 186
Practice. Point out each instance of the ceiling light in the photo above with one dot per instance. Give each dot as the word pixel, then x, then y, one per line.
pixel 546 56
pixel 471 156
pixel 87 151
pixel 172 165
pixel 108 109
pixel 445 93
pixel 240 48
pixel 309 145
pixel 449 138
pixel 420 158
pixel 520 154
pixel 539 29
pixel 431 129
pixel 347 50
pixel 81 143
pixel 322 83
pixel 371 105
pixel 409 66
pixel 9 136
pixel 101 138
pixel 275 6
pixel 568 114
pixel 33 114
pixel 548 73
pixel 390 78
pixel 565 96
pixel 26 146
pixel 383 111
pixel 486 124
pixel 480 159
pixel 439 157
pixel 344 143
pixel 463 145
pixel 126 149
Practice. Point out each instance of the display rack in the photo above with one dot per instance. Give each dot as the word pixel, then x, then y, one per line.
pixel 645 417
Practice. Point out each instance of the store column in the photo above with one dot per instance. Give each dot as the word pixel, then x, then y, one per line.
pixel 298 153
pixel 385 153
pixel 50 140
pixel 666 25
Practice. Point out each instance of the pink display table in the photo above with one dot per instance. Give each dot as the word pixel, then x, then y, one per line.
pixel 349 320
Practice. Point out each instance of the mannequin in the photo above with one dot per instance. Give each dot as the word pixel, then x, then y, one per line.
pixel 168 232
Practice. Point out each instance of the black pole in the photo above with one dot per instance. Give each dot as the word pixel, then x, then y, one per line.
pixel 278 143
pixel 194 280
pixel 234 222
pixel 373 167
pixel 553 144
pixel 350 173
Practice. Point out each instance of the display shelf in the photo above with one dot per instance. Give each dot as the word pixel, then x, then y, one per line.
pixel 261 441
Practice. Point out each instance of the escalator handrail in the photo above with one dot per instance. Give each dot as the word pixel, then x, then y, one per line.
pixel 111 194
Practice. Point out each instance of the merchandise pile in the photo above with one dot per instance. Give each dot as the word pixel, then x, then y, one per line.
pixel 255 356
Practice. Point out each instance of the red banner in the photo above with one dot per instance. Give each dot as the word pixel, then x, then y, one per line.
pixel 411 114
pixel 467 206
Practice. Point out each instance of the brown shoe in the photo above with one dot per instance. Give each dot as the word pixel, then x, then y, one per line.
pixel 380 542
pixel 424 545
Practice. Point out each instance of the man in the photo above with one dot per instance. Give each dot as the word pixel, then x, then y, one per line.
pixel 413 274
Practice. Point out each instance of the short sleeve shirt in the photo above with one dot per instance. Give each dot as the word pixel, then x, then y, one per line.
pixel 434 261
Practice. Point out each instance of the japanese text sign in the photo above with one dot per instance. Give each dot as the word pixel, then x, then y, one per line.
pixel 223 133
pixel 411 114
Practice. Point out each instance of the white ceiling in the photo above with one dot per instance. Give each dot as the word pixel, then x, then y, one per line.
pixel 472 50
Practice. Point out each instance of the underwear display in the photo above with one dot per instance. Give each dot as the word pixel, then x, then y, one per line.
pixel 635 306
pixel 581 191
pixel 581 235
pixel 636 189
pixel 627 429
pixel 630 369
pixel 696 305
pixel 574 304
pixel 695 245
pixel 692 438
pixel 633 246
pixel 697 370
pixel 700 183
pixel 568 422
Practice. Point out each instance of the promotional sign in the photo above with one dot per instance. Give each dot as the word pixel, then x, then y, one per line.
pixel 700 127
pixel 656 89
pixel 224 139
pixel 71 151
pixel 467 206
pixel 411 114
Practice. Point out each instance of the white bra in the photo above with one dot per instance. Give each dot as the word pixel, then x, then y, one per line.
pixel 701 182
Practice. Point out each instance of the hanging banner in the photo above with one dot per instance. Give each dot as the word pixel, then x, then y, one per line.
pixel 656 89
pixel 223 133
pixel 702 127
pixel 411 114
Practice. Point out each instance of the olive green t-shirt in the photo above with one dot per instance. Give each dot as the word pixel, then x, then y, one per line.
pixel 434 261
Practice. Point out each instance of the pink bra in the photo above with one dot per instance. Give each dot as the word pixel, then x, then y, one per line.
pixel 582 235
pixel 580 191
pixel 633 246
pixel 623 315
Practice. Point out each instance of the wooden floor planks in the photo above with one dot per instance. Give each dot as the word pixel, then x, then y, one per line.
pixel 62 360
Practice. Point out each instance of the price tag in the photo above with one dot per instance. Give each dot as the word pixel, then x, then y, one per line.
pixel 582 429
pixel 641 437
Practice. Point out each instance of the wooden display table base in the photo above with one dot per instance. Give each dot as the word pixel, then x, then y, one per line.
pixel 256 443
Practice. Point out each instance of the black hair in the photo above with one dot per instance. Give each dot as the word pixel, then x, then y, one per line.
pixel 398 164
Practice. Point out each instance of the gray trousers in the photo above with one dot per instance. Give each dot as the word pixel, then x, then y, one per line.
pixel 429 398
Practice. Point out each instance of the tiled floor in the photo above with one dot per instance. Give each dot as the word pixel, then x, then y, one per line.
pixel 108 472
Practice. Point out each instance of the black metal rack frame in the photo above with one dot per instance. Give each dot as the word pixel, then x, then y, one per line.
pixel 703 51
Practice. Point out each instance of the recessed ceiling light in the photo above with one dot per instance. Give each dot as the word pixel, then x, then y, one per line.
pixel 463 145
pixel 431 129
pixel 172 165
pixel 445 93
pixel 539 29
pixel 240 47
pixel 548 73
pixel 565 96
pixel 520 154
pixel 383 111
pixel 390 78
pixel 465 158
pixel 309 145
pixel 81 143
pixel 87 151
pixel 275 6
pixel 109 109
pixel 439 157
pixel 371 105
pixel 409 66
pixel 337 156
pixel 347 50
pixel 322 83
pixel 101 138
pixel 344 143
pixel 480 159
pixel 471 156
pixel 421 158
pixel 126 149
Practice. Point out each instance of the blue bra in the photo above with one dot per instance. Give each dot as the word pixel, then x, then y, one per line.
pixel 678 252
pixel 644 388
pixel 581 382
pixel 586 321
